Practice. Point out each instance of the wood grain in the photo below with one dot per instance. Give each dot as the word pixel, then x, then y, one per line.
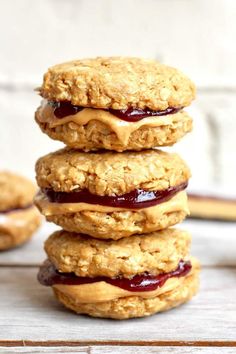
pixel 120 350
pixel 161 350
pixel 36 350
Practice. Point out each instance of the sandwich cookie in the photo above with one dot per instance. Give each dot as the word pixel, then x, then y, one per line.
pixel 19 218
pixel 112 195
pixel 133 277
pixel 115 103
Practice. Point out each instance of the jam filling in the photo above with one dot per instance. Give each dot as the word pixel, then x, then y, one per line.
pixel 134 114
pixel 16 209
pixel 64 108
pixel 136 199
pixel 48 276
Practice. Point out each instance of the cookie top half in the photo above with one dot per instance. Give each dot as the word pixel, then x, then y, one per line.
pixel 16 191
pixel 110 173
pixel 118 83
pixel 155 253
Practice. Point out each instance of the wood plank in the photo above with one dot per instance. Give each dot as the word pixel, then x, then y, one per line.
pixel 162 350
pixel 120 350
pixel 36 350
pixel 214 243
pixel 29 312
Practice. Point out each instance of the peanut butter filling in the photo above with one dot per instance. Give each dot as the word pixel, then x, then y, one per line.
pixel 121 128
pixel 176 203
pixel 102 291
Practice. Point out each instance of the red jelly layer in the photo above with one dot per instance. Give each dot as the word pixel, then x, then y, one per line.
pixel 63 109
pixel 48 276
pixel 136 199
pixel 134 115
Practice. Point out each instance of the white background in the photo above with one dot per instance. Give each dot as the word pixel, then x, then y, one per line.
pixel 197 36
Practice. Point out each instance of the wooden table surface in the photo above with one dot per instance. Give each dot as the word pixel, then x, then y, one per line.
pixel 32 321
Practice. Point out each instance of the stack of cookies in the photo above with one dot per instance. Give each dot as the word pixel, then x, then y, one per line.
pixel 113 194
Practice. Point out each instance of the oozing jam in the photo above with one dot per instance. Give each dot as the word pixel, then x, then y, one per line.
pixel 138 198
pixel 63 109
pixel 48 276
pixel 134 115
pixel 16 209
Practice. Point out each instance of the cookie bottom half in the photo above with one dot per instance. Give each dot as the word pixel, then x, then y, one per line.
pixel 115 225
pixel 97 135
pixel 136 306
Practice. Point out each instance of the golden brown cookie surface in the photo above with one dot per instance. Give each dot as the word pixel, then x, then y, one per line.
pixel 110 173
pixel 118 83
pixel 118 224
pixel 155 253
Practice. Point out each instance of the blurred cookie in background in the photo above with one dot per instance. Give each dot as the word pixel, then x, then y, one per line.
pixel 19 218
